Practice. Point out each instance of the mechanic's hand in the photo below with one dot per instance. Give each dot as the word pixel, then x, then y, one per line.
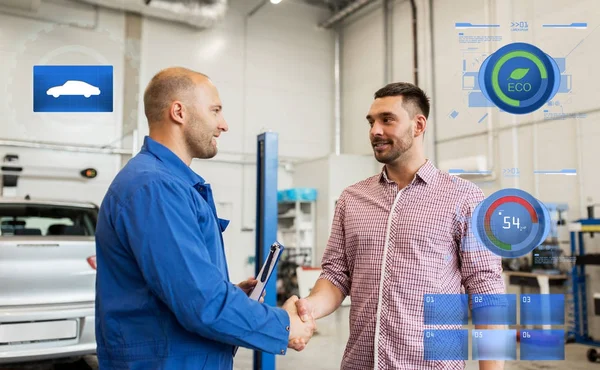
pixel 248 285
pixel 300 332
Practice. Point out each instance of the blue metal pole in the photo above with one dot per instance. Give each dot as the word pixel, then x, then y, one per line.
pixel 584 313
pixel 575 278
pixel 266 223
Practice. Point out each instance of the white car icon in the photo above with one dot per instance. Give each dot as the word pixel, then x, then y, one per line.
pixel 74 88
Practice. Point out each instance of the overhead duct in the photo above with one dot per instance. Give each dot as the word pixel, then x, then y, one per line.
pixel 28 5
pixel 345 12
pixel 196 13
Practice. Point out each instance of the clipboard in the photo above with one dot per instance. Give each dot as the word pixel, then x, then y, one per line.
pixel 265 274
pixel 267 269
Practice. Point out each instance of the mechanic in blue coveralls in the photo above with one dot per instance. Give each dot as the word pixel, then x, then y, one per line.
pixel 163 296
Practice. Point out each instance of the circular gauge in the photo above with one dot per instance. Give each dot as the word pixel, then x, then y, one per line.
pixel 511 223
pixel 519 78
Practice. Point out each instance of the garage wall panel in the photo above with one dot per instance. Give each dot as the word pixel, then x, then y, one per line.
pixel 26 42
pixel 538 143
pixel 274 71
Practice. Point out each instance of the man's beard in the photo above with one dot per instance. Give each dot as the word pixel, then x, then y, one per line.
pixel 199 141
pixel 396 150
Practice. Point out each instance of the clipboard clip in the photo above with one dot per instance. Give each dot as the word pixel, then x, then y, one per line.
pixel 265 273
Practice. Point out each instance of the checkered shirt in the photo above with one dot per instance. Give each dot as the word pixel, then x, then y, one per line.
pixel 389 247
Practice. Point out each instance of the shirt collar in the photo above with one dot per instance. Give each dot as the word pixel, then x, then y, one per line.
pixel 172 161
pixel 426 173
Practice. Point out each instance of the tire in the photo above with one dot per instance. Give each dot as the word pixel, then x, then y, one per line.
pixel 592 355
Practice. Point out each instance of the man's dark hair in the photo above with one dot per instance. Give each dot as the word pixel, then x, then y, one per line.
pixel 413 97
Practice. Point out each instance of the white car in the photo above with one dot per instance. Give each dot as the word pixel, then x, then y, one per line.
pixel 47 280
pixel 74 88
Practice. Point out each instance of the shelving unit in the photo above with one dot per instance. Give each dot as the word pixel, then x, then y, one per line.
pixel 578 308
pixel 296 230
pixel 333 178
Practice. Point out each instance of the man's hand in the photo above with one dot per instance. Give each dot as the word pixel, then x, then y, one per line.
pixel 306 310
pixel 300 332
pixel 248 285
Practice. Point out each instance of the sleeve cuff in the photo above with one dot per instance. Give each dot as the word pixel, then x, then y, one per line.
pixel 284 323
pixel 341 283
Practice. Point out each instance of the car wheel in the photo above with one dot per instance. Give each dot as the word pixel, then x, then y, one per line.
pixel 55 95
pixel 87 95
pixel 79 364
pixel 592 355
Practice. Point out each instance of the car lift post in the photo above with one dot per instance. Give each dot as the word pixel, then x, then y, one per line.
pixel 579 332
pixel 266 223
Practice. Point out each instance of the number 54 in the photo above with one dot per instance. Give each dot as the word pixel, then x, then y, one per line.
pixel 517 223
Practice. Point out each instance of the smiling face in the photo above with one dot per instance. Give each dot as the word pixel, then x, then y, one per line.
pixel 184 112
pixel 392 132
pixel 204 121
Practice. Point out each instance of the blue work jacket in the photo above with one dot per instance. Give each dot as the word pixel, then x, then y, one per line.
pixel 163 295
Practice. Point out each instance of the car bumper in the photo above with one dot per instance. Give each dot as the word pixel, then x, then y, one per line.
pixel 84 342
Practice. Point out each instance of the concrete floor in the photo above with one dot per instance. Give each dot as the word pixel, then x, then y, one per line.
pixel 325 350
pixel 327 347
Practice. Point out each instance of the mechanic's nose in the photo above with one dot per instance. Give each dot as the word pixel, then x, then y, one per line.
pixel 223 126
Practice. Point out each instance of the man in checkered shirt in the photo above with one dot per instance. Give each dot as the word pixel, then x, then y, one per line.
pixel 397 236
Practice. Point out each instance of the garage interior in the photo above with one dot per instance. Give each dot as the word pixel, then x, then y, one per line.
pixel 307 70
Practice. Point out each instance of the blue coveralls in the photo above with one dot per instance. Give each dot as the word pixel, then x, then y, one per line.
pixel 163 296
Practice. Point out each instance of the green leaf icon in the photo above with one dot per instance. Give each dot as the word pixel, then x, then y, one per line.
pixel 519 73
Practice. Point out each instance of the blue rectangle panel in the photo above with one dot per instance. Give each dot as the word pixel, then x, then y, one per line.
pixel 565 84
pixel 494 344
pixel 446 345
pixel 446 309
pixel 542 345
pixel 477 99
pixel 73 88
pixel 562 64
pixel 542 309
pixel 494 309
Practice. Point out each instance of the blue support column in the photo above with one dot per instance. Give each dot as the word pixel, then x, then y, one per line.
pixel 266 223
pixel 583 288
pixel 575 281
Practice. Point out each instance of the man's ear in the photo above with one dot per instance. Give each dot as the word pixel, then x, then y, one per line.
pixel 420 125
pixel 177 112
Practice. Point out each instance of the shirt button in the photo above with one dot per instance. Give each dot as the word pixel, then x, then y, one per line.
pixel 287 328
pixel 283 352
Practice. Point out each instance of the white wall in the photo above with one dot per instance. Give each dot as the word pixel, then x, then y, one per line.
pixel 362 73
pixel 273 71
pixel 363 67
pixel 556 141
pixel 26 42
pixel 534 143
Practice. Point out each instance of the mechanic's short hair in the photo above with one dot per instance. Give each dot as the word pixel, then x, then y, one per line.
pixel 166 86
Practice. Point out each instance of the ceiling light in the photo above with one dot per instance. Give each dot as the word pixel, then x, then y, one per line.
pixel 275 1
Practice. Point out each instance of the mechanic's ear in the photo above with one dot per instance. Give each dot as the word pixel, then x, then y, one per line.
pixel 178 112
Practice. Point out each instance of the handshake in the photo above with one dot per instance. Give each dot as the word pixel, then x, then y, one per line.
pixel 302 322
